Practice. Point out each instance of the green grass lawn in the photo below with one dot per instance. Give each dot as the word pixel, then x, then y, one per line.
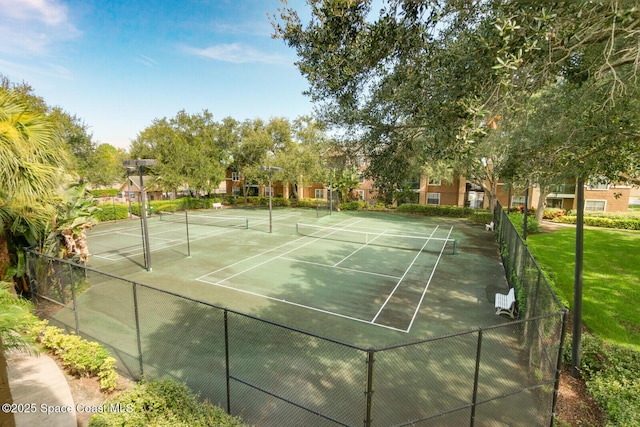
pixel 611 278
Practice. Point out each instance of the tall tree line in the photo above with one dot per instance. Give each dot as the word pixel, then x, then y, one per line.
pixel 518 91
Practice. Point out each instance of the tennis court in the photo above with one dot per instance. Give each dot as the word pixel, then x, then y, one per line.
pixel 342 275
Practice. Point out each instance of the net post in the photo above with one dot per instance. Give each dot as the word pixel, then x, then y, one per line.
pixel 455 246
pixel 297 232
pixel 246 223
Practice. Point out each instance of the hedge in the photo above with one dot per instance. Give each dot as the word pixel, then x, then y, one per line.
pixel 111 211
pixel 599 221
pixel 436 210
pixel 82 358
pixel 162 403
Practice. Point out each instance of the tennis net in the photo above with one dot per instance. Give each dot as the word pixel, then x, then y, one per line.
pixel 215 221
pixel 397 241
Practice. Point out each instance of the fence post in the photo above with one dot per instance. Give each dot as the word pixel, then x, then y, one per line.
pixel 226 355
pixel 137 315
pixel 369 392
pixel 73 298
pixel 475 380
pixel 556 385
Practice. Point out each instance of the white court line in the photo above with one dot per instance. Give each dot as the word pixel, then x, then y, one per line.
pixel 341 268
pixel 271 259
pixel 405 273
pixel 424 292
pixel 257 255
pixel 372 322
pixel 161 247
pixel 358 250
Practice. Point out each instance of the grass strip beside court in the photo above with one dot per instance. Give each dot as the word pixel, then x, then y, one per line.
pixel 611 278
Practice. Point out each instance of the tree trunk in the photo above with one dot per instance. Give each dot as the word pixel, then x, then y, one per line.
pixel 5 393
pixel 5 259
pixel 542 202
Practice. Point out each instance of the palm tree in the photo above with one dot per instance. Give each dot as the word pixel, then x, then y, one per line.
pixel 32 160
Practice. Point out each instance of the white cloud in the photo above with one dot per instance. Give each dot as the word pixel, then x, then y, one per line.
pixel 237 53
pixel 33 26
pixel 145 60
pixel 48 12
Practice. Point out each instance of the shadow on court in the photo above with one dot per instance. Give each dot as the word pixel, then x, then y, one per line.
pixel 339 301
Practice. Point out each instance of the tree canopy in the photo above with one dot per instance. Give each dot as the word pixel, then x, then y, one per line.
pixel 421 82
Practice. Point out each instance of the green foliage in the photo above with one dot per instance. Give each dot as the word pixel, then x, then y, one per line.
pixel 612 375
pixel 15 319
pixel 308 202
pixel 81 357
pixel 264 201
pixel 553 213
pixel 111 212
pixel 436 210
pixel 533 226
pixel 481 216
pixel 162 403
pixel 597 221
pixel 106 192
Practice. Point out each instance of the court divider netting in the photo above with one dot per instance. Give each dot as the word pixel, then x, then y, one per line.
pixel 211 220
pixel 396 241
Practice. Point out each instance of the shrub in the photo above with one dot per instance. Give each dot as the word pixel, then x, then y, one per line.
pixel 111 212
pixel 15 318
pixel 81 357
pixel 308 203
pixel 436 210
pixel 553 213
pixel 601 221
pixel 517 219
pixel 162 403
pixel 108 192
pixel 612 376
pixel 352 206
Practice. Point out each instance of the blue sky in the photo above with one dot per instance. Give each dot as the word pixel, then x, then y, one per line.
pixel 118 65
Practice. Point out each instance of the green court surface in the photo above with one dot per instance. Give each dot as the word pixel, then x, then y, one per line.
pixel 369 279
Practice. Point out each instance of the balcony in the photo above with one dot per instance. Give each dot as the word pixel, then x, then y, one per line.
pixel 564 191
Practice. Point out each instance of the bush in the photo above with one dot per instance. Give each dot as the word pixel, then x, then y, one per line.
pixel 81 357
pixel 111 212
pixel 602 221
pixel 353 206
pixel 517 219
pixel 436 210
pixel 162 403
pixel 612 376
pixel 308 203
pixel 553 213
pixel 108 192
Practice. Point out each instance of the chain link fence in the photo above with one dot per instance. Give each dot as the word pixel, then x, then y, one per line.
pixel 275 375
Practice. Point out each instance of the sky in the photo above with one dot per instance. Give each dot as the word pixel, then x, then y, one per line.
pixel 118 65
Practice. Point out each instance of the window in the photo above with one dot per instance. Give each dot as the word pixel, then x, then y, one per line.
pixel 360 194
pixel 237 191
pixel 517 201
pixel 319 193
pixel 268 191
pixel 433 198
pixel 598 184
pixel 553 202
pixel 433 181
pixel 595 205
pixel 235 176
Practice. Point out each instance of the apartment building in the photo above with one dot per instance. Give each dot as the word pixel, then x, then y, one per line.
pixel 458 191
